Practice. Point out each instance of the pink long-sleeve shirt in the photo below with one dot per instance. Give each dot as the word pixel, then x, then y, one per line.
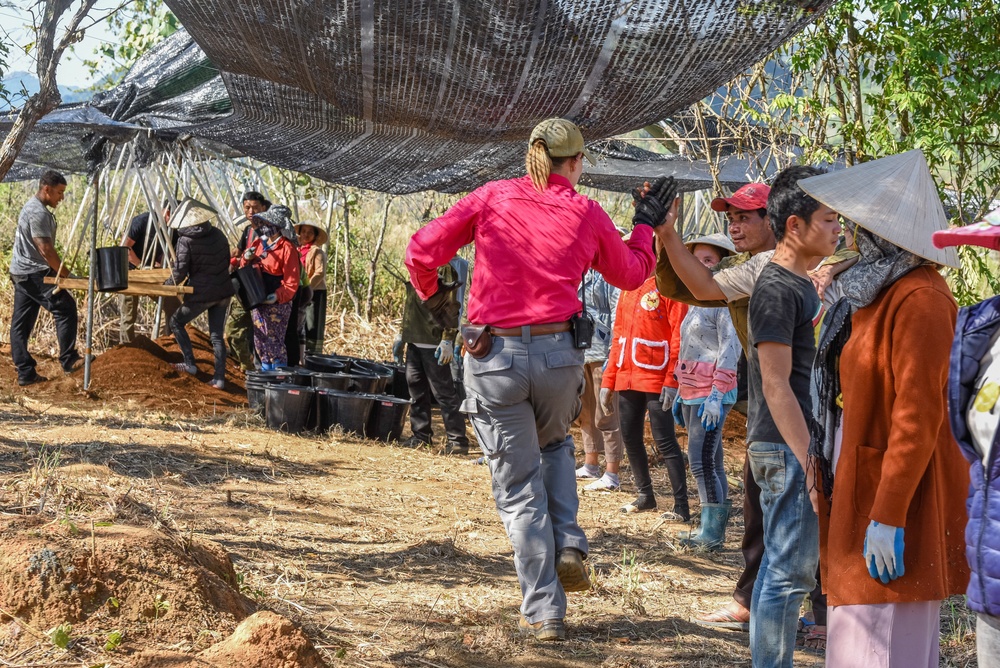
pixel 532 250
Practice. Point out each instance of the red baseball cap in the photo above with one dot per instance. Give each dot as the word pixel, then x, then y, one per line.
pixel 748 198
pixel 985 233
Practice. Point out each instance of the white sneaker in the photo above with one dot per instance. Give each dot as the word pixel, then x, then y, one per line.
pixel 583 472
pixel 603 484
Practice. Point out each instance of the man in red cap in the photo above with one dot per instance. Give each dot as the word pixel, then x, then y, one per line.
pixel 751 234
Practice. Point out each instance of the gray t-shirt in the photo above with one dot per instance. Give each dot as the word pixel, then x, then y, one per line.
pixel 35 221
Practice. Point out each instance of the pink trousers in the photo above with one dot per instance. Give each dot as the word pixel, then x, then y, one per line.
pixel 892 635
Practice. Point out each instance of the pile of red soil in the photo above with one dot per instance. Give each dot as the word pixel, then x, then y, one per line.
pixel 140 373
pixel 156 585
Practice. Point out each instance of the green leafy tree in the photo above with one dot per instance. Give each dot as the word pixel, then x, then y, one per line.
pixel 137 27
pixel 874 78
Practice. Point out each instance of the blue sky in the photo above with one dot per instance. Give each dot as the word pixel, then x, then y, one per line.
pixel 16 22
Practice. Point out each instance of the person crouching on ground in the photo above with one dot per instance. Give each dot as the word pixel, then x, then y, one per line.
pixel 535 236
pixel 706 378
pixel 640 373
pixel 278 260
pixel 203 264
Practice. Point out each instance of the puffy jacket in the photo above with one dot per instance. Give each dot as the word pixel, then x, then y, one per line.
pixel 646 341
pixel 973 336
pixel 203 259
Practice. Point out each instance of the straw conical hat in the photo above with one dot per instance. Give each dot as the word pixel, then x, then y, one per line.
pixel 894 197
pixel 191 212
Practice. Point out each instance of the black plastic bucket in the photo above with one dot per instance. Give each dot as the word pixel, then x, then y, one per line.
pixel 112 268
pixel 398 387
pixel 326 407
pixel 353 411
pixel 253 286
pixel 381 371
pixel 331 381
pixel 361 383
pixel 387 417
pixel 302 376
pixel 288 407
pixel 348 409
pixel 325 363
pixel 255 396
pixel 275 376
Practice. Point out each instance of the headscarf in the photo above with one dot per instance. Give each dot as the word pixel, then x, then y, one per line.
pixel 882 263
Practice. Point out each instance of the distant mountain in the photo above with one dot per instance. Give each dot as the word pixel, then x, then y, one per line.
pixel 14 81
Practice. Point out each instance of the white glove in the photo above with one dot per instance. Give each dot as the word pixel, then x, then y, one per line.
pixel 711 410
pixel 884 551
pixel 248 255
pixel 271 298
pixel 397 350
pixel 445 353
pixel 667 396
pixel 608 400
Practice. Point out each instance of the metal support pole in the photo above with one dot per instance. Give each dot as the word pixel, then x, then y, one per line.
pixel 87 351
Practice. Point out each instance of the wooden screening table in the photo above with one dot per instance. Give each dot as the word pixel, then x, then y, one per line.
pixel 142 282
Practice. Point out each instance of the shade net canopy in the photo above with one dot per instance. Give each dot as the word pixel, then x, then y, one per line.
pixel 419 95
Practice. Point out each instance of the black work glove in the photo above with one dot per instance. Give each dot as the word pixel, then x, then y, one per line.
pixel 443 309
pixel 651 208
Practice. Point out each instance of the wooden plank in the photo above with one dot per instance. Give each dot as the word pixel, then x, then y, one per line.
pixel 142 289
pixel 148 275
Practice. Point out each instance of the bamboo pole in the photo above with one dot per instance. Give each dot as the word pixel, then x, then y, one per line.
pixel 87 354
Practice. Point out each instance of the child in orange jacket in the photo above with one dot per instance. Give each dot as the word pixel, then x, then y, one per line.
pixel 640 369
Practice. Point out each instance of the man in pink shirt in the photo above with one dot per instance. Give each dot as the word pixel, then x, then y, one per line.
pixel 535 237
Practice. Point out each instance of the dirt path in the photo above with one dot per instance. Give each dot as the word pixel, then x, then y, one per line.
pixel 385 556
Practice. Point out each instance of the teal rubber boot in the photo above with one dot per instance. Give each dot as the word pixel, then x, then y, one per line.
pixel 712 533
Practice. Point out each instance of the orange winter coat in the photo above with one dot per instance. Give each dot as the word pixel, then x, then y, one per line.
pixel 645 342
pixel 899 464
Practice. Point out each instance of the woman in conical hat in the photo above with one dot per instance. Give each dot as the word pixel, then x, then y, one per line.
pixel 892 480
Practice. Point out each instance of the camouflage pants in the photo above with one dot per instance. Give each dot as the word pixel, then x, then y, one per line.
pixel 239 335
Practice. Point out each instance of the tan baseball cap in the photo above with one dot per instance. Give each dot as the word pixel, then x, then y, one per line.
pixel 563 138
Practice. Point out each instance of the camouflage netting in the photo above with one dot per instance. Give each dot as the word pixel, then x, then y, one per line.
pixel 417 95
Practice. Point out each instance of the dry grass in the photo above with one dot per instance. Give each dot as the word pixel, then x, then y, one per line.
pixel 387 557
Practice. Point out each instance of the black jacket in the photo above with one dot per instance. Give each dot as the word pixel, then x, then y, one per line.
pixel 203 258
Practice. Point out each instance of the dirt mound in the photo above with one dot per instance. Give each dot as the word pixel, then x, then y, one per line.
pixel 264 639
pixel 155 585
pixel 140 373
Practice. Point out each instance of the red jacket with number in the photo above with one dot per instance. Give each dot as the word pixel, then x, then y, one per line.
pixel 646 340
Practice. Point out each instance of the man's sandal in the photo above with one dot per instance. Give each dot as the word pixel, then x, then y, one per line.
pixel 722 619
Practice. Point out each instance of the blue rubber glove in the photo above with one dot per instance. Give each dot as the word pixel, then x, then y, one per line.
pixel 711 410
pixel 884 551
pixel 397 350
pixel 678 411
pixel 271 298
pixel 445 353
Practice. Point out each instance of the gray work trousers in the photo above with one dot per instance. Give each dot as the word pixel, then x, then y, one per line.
pixel 522 398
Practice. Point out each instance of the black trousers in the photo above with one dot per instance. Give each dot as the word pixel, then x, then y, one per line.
pixel 31 294
pixel 187 312
pixel 632 407
pixel 316 322
pixel 423 377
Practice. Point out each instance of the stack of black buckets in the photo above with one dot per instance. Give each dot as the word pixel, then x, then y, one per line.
pixel 363 397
